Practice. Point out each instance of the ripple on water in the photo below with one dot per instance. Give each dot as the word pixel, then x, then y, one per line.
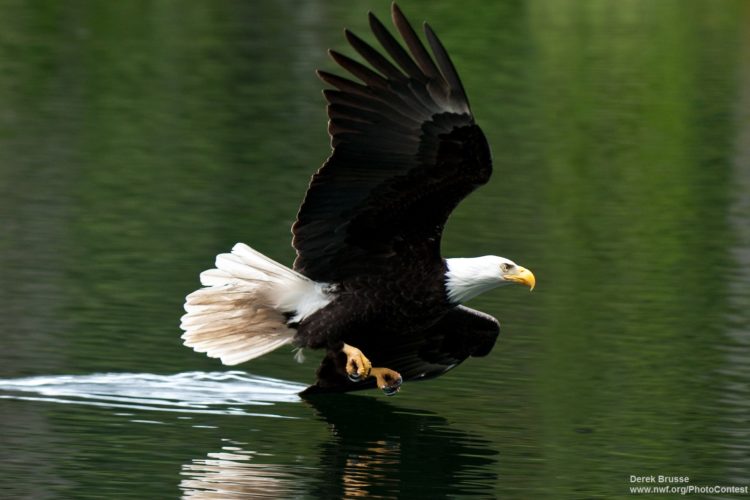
pixel 218 393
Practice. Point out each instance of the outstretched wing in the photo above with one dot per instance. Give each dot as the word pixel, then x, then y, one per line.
pixel 461 333
pixel 406 151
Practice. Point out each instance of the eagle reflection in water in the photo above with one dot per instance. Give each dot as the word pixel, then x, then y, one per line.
pixel 398 451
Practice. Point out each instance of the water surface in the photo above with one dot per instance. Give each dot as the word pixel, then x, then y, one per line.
pixel 138 140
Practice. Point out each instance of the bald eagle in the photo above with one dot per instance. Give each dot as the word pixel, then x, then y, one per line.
pixel 369 284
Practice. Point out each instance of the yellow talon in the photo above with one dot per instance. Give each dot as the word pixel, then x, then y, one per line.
pixel 388 380
pixel 357 365
pixel 358 368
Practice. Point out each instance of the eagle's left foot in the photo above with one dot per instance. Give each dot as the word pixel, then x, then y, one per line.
pixel 388 380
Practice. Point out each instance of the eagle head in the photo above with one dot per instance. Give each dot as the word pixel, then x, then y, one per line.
pixel 468 277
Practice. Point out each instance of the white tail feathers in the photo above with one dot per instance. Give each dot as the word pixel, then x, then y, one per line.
pixel 242 312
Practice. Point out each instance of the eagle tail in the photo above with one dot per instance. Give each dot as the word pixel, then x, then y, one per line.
pixel 244 308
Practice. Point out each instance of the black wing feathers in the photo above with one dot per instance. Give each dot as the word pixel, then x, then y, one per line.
pixel 423 59
pixel 446 65
pixel 395 50
pixel 374 57
pixel 406 151
pixel 361 71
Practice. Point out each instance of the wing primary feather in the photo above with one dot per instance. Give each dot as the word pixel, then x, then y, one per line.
pixel 446 65
pixel 374 57
pixel 371 105
pixel 395 50
pixel 385 96
pixel 342 111
pixel 358 114
pixel 340 97
pixel 361 71
pixel 414 44
pixel 344 84
pixel 405 105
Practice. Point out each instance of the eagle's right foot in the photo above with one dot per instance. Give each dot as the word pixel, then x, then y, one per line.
pixel 357 365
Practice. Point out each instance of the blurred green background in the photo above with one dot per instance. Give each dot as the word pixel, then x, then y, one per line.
pixel 139 139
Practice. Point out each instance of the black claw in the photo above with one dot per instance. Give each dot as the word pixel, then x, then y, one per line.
pixel 354 377
pixel 391 390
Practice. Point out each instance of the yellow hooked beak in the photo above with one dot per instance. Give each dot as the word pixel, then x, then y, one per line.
pixel 522 276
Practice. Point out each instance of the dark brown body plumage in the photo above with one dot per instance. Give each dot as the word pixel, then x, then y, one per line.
pixel 377 305
pixel 414 330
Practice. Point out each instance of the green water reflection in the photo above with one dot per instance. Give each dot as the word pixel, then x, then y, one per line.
pixel 139 139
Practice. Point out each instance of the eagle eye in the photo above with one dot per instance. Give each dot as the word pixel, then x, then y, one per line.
pixel 505 267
